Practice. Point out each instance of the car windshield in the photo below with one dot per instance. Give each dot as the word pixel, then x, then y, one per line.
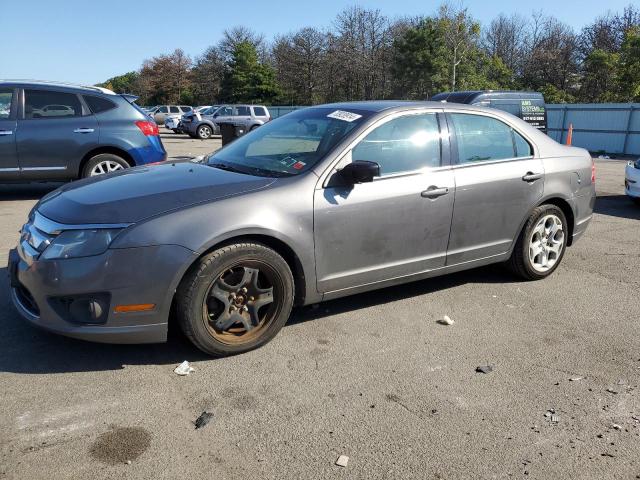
pixel 289 145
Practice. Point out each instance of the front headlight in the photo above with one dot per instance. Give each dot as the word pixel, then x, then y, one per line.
pixel 79 243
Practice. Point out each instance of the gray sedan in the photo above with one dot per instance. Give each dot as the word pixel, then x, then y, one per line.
pixel 321 203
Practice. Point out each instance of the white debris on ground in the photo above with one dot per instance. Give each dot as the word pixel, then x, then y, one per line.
pixel 184 368
pixel 445 320
pixel 575 379
pixel 342 461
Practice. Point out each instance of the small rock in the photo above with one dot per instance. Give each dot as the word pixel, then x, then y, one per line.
pixel 342 461
pixel 484 369
pixel 575 379
pixel 128 462
pixel 204 418
pixel 616 426
pixel 446 320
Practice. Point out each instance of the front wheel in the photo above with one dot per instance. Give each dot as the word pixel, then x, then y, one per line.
pixel 204 132
pixel 235 299
pixel 541 244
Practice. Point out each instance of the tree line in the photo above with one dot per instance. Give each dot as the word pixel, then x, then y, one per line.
pixel 366 55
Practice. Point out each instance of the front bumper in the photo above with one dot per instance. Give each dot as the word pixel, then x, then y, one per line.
pixel 147 275
pixel 632 181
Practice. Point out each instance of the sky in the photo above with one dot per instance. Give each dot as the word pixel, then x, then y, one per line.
pixel 89 41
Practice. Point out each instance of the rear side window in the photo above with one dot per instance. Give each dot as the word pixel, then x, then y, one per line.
pixel 481 138
pixel 163 109
pixel 174 110
pixel 259 112
pixel 243 111
pixel 98 104
pixel 48 104
pixel 186 109
pixel 6 95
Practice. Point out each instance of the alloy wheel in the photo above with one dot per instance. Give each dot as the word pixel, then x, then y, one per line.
pixel 546 243
pixel 105 166
pixel 204 132
pixel 242 302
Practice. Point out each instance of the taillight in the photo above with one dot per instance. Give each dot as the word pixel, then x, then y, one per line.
pixel 593 171
pixel 149 129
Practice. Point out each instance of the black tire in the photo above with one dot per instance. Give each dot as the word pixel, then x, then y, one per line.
pixel 175 130
pixel 196 301
pixel 520 262
pixel 103 158
pixel 253 128
pixel 204 132
pixel 635 200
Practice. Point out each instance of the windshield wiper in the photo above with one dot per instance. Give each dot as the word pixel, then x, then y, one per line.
pixel 227 167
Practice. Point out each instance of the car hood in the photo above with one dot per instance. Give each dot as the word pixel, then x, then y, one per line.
pixel 135 194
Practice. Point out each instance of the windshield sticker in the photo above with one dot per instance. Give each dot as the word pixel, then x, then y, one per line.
pixel 346 116
pixel 299 165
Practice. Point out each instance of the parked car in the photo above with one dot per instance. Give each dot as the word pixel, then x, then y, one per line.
pixel 161 112
pixel 632 181
pixel 202 108
pixel 173 123
pixel 248 116
pixel 54 131
pixel 529 106
pixel 321 203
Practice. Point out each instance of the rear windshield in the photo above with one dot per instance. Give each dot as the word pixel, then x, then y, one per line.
pixel 291 144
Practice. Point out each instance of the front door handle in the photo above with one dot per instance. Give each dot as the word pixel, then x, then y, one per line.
pixel 531 177
pixel 6 132
pixel 434 192
pixel 84 130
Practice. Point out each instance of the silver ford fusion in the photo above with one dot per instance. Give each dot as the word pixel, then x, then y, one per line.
pixel 324 202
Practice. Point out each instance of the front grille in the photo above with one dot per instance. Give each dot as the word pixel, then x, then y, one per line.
pixel 35 236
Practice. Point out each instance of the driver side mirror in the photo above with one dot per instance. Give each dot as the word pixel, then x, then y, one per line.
pixel 360 171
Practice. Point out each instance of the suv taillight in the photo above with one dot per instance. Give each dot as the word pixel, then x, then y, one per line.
pixel 593 171
pixel 150 129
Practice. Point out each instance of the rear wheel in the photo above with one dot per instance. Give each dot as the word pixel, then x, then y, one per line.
pixel 635 200
pixel 204 132
pixel 103 163
pixel 235 299
pixel 541 244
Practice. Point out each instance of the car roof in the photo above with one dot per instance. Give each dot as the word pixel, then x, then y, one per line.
pixel 376 106
pixel 469 96
pixel 44 83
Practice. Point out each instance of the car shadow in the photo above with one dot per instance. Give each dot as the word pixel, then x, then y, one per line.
pixel 26 349
pixel 617 206
pixel 26 191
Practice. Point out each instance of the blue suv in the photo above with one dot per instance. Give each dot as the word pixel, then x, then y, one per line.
pixel 55 131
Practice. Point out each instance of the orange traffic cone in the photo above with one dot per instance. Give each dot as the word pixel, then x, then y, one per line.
pixel 570 134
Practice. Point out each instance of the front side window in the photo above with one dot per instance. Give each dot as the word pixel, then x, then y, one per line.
pixel 174 110
pixel 224 111
pixel 243 111
pixel 186 109
pixel 50 104
pixel 289 145
pixel 163 109
pixel 6 96
pixel 481 138
pixel 404 144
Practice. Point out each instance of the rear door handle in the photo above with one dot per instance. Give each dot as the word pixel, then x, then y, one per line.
pixel 84 130
pixel 6 132
pixel 531 177
pixel 434 192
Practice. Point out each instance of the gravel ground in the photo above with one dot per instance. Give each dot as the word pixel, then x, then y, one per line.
pixel 373 377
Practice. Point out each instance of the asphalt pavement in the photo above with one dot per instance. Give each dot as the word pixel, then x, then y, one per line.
pixel 373 377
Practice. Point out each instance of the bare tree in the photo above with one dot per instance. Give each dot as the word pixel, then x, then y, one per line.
pixel 506 38
pixel 234 36
pixel 461 34
pixel 206 76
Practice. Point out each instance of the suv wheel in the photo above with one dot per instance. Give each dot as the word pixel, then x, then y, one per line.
pixel 541 244
pixel 235 299
pixel 104 163
pixel 204 132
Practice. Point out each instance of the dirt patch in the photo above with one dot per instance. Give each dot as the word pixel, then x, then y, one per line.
pixel 120 444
